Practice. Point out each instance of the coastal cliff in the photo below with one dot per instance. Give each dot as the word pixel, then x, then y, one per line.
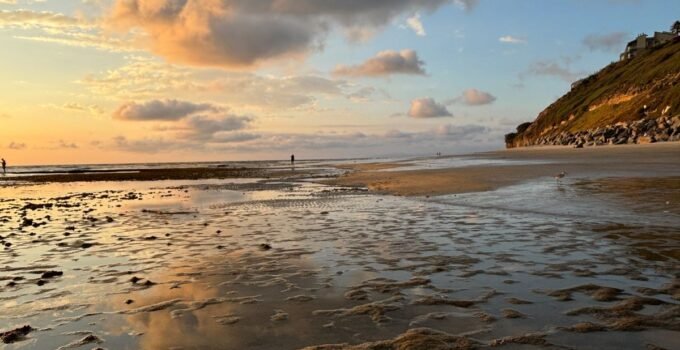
pixel 634 100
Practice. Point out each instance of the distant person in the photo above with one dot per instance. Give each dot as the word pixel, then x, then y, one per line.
pixel 292 159
pixel 4 166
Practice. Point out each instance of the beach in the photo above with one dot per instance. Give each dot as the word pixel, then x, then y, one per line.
pixel 454 252
pixel 493 170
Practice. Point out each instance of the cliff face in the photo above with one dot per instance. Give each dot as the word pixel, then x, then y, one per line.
pixel 627 98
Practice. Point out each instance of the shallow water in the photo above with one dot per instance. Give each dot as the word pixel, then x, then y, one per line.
pixel 448 162
pixel 284 265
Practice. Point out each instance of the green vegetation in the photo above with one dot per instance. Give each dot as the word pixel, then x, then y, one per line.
pixel 617 93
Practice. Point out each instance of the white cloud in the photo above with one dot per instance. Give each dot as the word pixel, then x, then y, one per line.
pixel 427 108
pixel 509 39
pixel 467 5
pixel 416 25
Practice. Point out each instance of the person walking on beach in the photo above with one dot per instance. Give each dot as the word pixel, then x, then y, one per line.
pixel 292 159
pixel 4 166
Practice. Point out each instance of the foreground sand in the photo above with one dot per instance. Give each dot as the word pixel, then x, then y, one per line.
pixel 661 159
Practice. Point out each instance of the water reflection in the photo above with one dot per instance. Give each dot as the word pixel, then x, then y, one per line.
pixel 287 265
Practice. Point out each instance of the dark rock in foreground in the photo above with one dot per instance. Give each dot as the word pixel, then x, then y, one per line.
pixel 14 335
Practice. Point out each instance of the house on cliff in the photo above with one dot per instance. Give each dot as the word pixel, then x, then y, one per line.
pixel 644 42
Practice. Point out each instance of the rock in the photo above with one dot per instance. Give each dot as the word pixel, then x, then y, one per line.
pixel 16 334
pixel 662 129
pixel 265 246
pixel 621 140
pixel 510 313
pixel 645 139
pixel 149 283
pixel 32 206
pixel 279 315
pixel 51 274
pixel 662 136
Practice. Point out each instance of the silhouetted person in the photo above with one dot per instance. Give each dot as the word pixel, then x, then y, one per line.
pixel 292 159
pixel 4 166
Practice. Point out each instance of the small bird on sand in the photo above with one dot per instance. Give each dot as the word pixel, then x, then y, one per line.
pixel 560 176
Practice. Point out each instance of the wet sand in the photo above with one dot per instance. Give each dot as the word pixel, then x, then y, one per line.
pixel 157 175
pixel 590 262
pixel 656 160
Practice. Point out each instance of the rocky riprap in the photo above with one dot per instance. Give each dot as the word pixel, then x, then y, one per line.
pixel 641 131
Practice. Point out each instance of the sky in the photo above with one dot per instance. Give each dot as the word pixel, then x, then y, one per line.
pixel 123 81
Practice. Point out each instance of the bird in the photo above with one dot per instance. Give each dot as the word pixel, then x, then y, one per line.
pixel 560 176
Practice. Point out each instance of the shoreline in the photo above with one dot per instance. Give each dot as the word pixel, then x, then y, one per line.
pixel 653 160
pixel 650 160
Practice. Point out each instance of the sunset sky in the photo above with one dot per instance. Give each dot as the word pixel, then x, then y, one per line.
pixel 110 81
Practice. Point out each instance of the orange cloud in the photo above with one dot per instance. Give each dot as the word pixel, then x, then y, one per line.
pixel 385 63
pixel 243 33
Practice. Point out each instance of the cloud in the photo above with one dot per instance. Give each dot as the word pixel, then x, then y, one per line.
pixel 204 128
pixel 74 106
pixel 167 110
pixel 146 145
pixel 82 39
pixel 416 25
pixel 461 132
pixel 363 94
pixel 16 2
pixel 553 69
pixel 474 97
pixel 29 18
pixel 385 63
pixel 611 42
pixel 462 138
pixel 16 146
pixel 244 33
pixel 66 145
pixel 144 78
pixel 222 137
pixel 58 28
pixel 467 5
pixel 427 108
pixel 509 39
